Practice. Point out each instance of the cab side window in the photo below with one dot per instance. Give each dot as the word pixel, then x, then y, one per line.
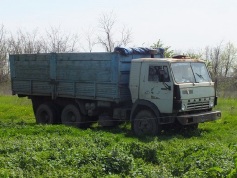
pixel 154 73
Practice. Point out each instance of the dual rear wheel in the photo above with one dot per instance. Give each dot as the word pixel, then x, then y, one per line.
pixel 144 123
pixel 47 113
pixel 71 116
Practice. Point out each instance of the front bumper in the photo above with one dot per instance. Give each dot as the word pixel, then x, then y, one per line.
pixel 199 118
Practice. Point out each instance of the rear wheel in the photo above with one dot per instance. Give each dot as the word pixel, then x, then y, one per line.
pixel 145 123
pixel 72 116
pixel 45 114
pixel 35 104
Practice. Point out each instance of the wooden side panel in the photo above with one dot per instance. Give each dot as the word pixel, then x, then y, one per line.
pixel 99 76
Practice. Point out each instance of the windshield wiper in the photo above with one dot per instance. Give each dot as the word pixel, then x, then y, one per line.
pixel 200 76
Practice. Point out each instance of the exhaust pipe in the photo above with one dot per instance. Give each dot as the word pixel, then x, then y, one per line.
pixel 153 52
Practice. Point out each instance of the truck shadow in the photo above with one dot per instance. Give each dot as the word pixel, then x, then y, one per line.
pixel 124 129
pixel 165 134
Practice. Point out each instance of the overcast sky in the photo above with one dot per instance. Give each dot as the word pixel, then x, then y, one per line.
pixel 181 24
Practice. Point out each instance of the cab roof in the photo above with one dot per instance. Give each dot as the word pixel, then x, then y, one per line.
pixel 169 60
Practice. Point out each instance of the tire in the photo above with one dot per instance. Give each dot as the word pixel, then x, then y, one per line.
pixel 145 123
pixel 71 116
pixel 35 104
pixel 45 114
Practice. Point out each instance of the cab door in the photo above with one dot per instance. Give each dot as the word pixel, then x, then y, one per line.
pixel 155 89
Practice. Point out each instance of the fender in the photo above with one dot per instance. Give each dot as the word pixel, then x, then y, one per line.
pixel 145 104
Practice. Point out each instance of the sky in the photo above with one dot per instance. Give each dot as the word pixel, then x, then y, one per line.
pixel 182 24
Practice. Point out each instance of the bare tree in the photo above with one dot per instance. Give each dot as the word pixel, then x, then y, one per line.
pixel 106 24
pixel 32 42
pixel 90 39
pixel 206 58
pixel 215 58
pixel 25 42
pixel 125 37
pixel 4 70
pixel 57 41
pixel 106 38
pixel 228 58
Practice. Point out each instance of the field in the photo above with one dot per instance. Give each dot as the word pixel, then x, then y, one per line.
pixel 31 150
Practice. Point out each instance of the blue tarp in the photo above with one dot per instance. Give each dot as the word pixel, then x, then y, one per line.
pixel 128 51
pixel 138 50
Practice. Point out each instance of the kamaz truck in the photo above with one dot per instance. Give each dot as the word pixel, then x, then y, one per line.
pixel 136 85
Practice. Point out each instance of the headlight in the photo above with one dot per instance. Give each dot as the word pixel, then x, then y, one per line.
pixel 211 104
pixel 183 107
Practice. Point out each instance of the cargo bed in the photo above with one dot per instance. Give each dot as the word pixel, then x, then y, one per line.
pixel 98 76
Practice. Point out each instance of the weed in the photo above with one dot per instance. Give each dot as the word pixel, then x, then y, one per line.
pixel 31 150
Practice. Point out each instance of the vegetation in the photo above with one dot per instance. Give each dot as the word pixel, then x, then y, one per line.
pixel 30 150
pixel 168 52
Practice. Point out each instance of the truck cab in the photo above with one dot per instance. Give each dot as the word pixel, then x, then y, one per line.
pixel 170 90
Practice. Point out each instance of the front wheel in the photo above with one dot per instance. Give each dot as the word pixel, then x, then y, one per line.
pixel 145 123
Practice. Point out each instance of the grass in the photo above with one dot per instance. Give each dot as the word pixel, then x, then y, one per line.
pixel 31 150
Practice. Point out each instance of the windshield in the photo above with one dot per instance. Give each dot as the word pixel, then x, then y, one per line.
pixel 187 72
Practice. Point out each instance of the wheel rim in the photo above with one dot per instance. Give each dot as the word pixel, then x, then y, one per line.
pixel 143 126
pixel 44 117
pixel 45 114
pixel 145 123
pixel 70 117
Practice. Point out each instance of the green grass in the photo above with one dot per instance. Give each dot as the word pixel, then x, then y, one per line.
pixel 31 150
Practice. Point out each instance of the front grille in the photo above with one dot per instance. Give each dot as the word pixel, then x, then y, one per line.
pixel 199 105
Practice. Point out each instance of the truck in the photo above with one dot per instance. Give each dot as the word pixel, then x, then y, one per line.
pixel 143 88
